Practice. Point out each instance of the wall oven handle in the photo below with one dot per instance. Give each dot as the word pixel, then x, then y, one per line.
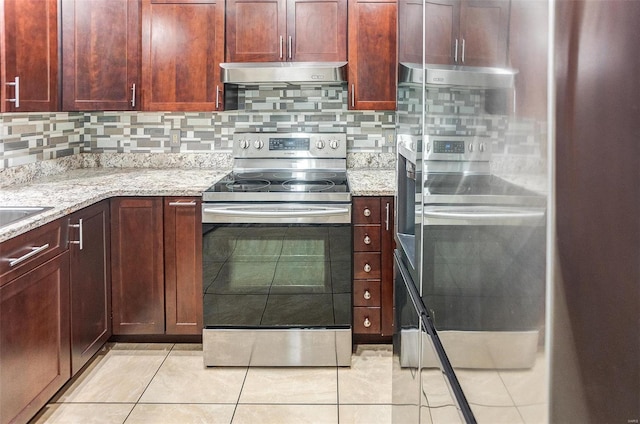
pixel 482 215
pixel 271 213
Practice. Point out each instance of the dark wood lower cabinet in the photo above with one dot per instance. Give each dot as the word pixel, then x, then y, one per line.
pixel 137 262
pixel 90 275
pixel 34 339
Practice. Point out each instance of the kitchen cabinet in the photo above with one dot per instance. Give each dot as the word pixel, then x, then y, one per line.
pixel 153 237
pixel 466 32
pixel 100 54
pixel 34 321
pixel 373 267
pixel 30 56
pixel 286 30
pixel 182 47
pixel 372 54
pixel 183 265
pixel 90 281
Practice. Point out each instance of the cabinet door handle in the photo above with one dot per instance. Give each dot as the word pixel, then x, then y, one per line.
pixel 281 43
pixel 463 50
pixel 290 47
pixel 367 323
pixel 367 295
pixel 133 95
pixel 79 242
pixel 34 252
pixel 16 97
pixel 367 240
pixel 353 95
pixel 217 97
pixel 386 220
pixel 179 203
pixel 455 54
pixel 366 212
pixel 367 268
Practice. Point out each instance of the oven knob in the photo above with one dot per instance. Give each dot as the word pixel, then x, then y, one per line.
pixel 481 147
pixel 470 147
pixel 334 144
pixel 367 295
pixel 320 144
pixel 258 144
pixel 244 144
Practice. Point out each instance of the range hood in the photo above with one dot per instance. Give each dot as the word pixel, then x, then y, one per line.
pixel 284 72
pixel 454 75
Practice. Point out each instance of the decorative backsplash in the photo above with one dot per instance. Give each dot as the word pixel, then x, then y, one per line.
pixel 32 137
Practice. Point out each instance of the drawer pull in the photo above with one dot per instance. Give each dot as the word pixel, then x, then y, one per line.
pixel 367 268
pixel 367 323
pixel 367 295
pixel 183 203
pixel 367 212
pixel 367 240
pixel 34 252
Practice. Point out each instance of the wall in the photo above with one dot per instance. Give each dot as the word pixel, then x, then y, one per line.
pixel 32 137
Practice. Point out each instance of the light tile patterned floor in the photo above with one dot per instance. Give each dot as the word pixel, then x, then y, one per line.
pixel 167 383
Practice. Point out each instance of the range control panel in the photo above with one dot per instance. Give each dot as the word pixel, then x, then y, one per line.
pixel 457 148
pixel 290 145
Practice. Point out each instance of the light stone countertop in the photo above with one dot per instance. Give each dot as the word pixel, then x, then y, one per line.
pixel 75 189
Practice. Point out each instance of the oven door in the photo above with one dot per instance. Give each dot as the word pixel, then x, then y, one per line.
pixel 483 283
pixel 277 287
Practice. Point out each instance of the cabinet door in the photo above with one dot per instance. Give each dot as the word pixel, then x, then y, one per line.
pixel 372 55
pixel 182 46
pixel 31 55
pixel 484 29
pixel 183 265
pixel 441 31
pixel 317 30
pixel 100 54
pixel 90 274
pixel 410 34
pixel 137 266
pixel 256 30
pixel 34 339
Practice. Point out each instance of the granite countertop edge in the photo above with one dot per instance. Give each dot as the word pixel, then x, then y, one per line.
pixel 73 190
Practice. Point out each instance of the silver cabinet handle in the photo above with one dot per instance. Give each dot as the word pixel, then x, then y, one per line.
pixel 217 97
pixel 34 252
pixel 386 220
pixel 179 203
pixel 367 268
pixel 455 54
pixel 366 212
pixel 353 95
pixel 367 323
pixel 367 295
pixel 367 240
pixel 80 237
pixel 290 47
pixel 281 44
pixel 463 50
pixel 16 97
pixel 133 95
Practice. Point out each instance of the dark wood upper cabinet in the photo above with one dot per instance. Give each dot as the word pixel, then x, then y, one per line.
pixel 30 61
pixel 410 13
pixel 372 54
pixel 182 47
pixel 100 54
pixel 286 30
pixel 466 32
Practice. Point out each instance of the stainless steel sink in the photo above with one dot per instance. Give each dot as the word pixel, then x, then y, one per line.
pixel 11 214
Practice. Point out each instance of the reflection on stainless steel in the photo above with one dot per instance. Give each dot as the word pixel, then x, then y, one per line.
pixel 455 75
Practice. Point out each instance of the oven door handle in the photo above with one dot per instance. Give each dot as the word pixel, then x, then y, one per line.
pixel 482 215
pixel 277 213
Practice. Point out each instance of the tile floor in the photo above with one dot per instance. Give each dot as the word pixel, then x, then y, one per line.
pixel 167 383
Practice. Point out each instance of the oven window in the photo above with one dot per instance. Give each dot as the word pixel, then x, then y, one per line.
pixel 484 278
pixel 288 275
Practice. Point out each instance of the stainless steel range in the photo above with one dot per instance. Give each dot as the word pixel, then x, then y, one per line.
pixel 277 254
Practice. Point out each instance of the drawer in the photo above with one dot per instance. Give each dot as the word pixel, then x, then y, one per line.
pixel 27 251
pixel 366 320
pixel 366 210
pixel 366 265
pixel 366 238
pixel 366 293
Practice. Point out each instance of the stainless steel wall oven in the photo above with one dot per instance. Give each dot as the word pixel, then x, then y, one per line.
pixel 277 254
